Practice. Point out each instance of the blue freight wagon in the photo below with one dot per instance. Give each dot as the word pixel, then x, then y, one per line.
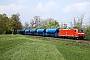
pixel 22 32
pixel 27 32
pixel 51 32
pixel 40 32
pixel 32 32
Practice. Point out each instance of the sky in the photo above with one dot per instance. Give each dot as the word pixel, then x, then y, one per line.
pixel 63 11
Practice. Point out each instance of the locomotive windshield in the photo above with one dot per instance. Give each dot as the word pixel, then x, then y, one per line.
pixel 80 30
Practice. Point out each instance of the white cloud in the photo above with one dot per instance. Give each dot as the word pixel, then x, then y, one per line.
pixel 27 12
pixel 78 7
pixel 10 9
pixel 47 8
pixel 13 8
pixel 40 9
pixel 23 1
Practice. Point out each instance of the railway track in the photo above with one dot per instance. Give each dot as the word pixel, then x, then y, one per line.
pixel 53 38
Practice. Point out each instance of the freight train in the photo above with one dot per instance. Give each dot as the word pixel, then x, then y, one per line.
pixel 56 32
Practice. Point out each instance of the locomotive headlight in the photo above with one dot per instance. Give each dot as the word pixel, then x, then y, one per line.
pixel 80 33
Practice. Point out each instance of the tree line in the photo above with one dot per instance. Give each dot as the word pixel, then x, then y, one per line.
pixel 13 23
pixel 8 24
pixel 36 23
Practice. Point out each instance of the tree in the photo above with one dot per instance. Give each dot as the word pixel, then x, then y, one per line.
pixel 16 22
pixel 5 24
pixel 35 22
pixel 89 21
pixel 80 21
pixel 87 32
pixel 1 23
pixel 63 26
pixel 49 23
pixel 27 25
pixel 71 25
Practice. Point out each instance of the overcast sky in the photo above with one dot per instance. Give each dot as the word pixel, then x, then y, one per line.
pixel 61 10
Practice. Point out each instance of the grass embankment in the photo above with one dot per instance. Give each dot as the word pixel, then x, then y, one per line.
pixel 18 47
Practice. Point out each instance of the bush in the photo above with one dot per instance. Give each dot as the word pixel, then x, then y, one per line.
pixel 87 33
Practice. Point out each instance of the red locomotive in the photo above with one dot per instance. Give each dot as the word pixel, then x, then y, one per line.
pixel 71 33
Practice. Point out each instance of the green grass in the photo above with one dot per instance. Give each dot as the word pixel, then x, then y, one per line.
pixel 19 47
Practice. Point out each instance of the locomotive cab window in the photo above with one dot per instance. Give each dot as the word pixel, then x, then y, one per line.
pixel 80 30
